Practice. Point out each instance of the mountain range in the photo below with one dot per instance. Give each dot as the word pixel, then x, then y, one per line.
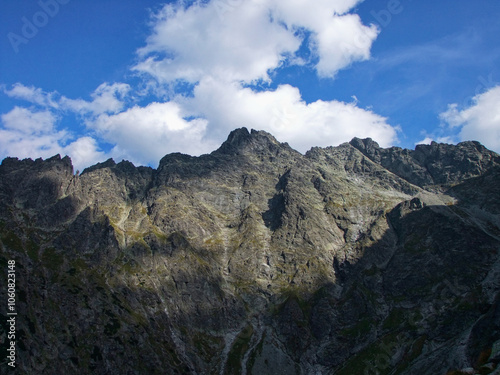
pixel 256 259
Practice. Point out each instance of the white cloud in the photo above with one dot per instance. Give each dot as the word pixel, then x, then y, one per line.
pixel 32 95
pixel 107 98
pixel 31 134
pixel 218 45
pixel 338 39
pixel 286 115
pixel 342 42
pixel 84 152
pixel 480 122
pixel 244 40
pixel 197 41
pixel 145 134
pixel 142 135
pixel 25 121
pixel 199 124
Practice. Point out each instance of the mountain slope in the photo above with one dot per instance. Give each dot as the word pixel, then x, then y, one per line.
pixel 257 259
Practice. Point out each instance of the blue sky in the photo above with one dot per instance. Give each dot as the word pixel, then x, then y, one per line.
pixel 137 79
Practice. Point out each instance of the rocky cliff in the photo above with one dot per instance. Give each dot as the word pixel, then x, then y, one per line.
pixel 256 259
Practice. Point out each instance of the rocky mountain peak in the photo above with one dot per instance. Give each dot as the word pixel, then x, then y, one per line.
pixel 241 141
pixel 110 163
pixel 38 165
pixel 366 144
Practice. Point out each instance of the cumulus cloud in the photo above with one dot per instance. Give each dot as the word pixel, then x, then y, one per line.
pixel 26 121
pixel 337 39
pixel 32 95
pixel 191 43
pixel 145 134
pixel 107 98
pixel 200 123
pixel 243 40
pixel 286 115
pixel 84 152
pixel 30 134
pixel 219 46
pixel 480 121
pixel 342 42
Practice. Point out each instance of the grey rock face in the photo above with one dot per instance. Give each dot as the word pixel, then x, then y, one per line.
pixel 434 164
pixel 256 259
